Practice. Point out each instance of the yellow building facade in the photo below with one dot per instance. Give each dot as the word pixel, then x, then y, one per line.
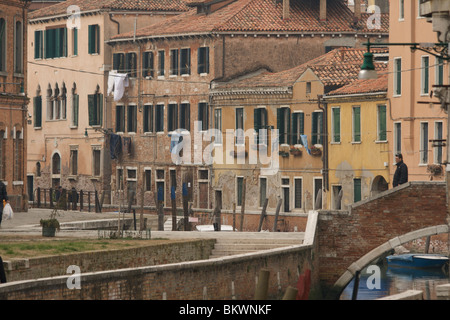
pixel 358 147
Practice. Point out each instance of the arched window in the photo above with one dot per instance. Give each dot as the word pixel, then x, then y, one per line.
pixel 56 164
pixel 38 169
pixel 49 103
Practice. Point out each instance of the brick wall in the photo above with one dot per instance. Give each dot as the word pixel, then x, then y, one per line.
pixel 344 237
pixel 41 267
pixel 216 279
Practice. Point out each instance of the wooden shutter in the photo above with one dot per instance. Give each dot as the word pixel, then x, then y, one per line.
pixel 357 190
pixel 91 39
pixel 76 100
pixel 357 124
pixel 37 101
pixel 336 125
pixel 91 109
pixel 75 41
pixel 37 44
pixel 294 127
pixel 297 192
pixel 382 123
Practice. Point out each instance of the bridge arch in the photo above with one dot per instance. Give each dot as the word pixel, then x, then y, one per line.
pixel 364 261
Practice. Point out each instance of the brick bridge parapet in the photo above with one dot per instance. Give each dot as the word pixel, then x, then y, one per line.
pixel 372 225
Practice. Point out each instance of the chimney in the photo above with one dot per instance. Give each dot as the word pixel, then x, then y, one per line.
pixel 323 10
pixel 357 9
pixel 285 9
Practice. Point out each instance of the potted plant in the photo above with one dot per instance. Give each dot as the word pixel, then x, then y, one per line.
pixel 316 150
pixel 296 150
pixel 50 225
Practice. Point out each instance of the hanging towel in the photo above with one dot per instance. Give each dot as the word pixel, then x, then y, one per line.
pixel 111 79
pixel 115 146
pixel 120 83
pixel 305 143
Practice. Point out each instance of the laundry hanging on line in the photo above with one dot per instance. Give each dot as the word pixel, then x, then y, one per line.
pixel 117 82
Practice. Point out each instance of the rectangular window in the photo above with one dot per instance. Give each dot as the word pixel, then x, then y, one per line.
pixel 37 111
pixel 356 190
pixel 75 41
pixel 119 62
pixel 132 119
pixel 397 76
pixel 96 162
pixel 94 39
pixel 336 124
pixel 298 127
pixel 131 64
pixel 55 43
pixel 218 125
pixel 18 47
pixel 356 124
pixel 160 185
pixel 317 128
pixel 120 118
pixel 401 10
pixel 73 165
pixel 185 61
pixel 185 116
pixel 284 124
pixel 172 117
pixel 425 75
pixel 75 108
pixel 297 193
pixel 174 68
pixel 95 107
pixel 239 190
pixel 439 71
pixel 308 88
pixel 424 142
pixel 260 125
pixel 382 132
pixel 239 117
pixel 438 135
pixel 203 115
pixel 161 63
pixel 262 191
pixel 148 180
pixel 203 60
pixel 38 44
pixel 397 138
pixel 148 65
pixel 148 118
pixel 159 118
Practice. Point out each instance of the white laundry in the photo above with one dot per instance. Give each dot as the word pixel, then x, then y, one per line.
pixel 111 77
pixel 120 83
pixel 117 82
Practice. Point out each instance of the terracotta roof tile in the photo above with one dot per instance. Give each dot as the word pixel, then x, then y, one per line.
pixel 88 5
pixel 263 16
pixel 363 86
pixel 338 67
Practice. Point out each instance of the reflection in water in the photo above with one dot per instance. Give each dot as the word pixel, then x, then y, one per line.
pixel 396 280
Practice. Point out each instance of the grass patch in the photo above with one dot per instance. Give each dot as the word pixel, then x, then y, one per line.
pixel 33 248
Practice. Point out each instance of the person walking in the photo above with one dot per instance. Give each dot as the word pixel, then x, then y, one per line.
pixel 401 173
pixel 3 199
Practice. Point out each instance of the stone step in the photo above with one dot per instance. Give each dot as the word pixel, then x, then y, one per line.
pixel 238 241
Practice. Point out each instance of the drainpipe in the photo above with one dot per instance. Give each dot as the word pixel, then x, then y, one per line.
pixel 323 106
pixel 116 22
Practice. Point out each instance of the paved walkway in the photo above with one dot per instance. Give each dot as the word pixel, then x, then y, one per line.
pixel 27 224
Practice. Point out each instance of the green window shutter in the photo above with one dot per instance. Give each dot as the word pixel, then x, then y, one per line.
pixel 398 72
pixel 426 64
pixel 58 43
pixel 75 109
pixel 336 125
pixel 357 190
pixel 91 39
pixel 37 103
pixel 257 123
pixel 314 120
pixel 320 125
pixel 91 110
pixel 295 117
pixel 64 44
pixel 357 124
pixel 280 125
pixel 288 123
pixel 75 41
pixel 240 182
pixel 382 136
pixel 37 44
pixel 100 109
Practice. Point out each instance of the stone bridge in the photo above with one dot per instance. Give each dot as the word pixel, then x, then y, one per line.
pixel 348 241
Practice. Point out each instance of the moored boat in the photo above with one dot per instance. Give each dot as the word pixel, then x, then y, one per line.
pixel 417 260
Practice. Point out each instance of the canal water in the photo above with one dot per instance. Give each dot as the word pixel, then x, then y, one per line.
pixel 393 280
